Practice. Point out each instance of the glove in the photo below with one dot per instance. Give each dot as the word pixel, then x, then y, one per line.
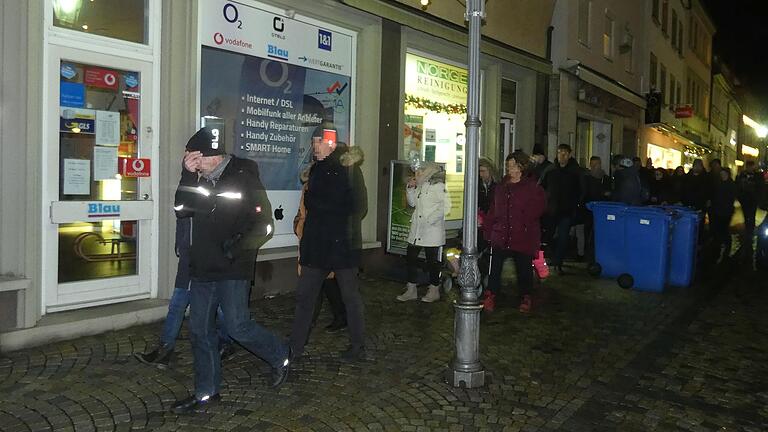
pixel 229 245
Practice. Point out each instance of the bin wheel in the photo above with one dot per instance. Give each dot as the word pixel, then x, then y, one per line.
pixel 626 281
pixel 594 269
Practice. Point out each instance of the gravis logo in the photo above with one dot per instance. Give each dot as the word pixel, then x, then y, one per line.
pixel 103 210
pixel 276 53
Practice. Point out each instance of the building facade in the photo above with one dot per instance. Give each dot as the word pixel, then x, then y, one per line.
pixel 596 100
pixel 98 102
pixel 679 63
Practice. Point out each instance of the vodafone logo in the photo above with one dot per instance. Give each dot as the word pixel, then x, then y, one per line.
pixel 137 165
pixel 110 79
pixel 218 38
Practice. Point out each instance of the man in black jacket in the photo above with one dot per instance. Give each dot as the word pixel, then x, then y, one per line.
pixel 231 218
pixel 336 202
pixel 564 186
pixel 749 184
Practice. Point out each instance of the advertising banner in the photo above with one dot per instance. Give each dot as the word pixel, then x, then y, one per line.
pixel 267 83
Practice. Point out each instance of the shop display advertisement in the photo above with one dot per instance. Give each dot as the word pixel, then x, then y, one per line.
pixel 267 82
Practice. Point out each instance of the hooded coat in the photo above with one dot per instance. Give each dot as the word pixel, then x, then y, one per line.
pixel 336 201
pixel 513 221
pixel 431 204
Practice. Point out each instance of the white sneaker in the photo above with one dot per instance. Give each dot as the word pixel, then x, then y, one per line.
pixel 433 294
pixel 409 294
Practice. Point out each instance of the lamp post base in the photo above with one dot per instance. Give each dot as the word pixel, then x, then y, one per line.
pixel 466 379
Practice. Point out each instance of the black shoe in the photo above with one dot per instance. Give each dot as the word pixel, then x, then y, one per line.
pixel 280 373
pixel 354 354
pixel 226 351
pixel 336 326
pixel 160 357
pixel 193 404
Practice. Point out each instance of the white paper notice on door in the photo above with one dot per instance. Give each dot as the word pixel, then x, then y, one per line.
pixel 104 163
pixel 107 128
pixel 77 177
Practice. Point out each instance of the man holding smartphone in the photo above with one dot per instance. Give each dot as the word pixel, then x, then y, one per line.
pixel 336 202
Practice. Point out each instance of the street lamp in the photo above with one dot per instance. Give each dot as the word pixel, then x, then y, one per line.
pixel 467 370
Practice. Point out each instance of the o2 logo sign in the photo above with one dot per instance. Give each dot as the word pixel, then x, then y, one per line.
pixel 232 15
pixel 325 40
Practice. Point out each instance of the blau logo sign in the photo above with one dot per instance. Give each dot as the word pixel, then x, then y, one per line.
pixel 103 210
pixel 275 52
pixel 325 40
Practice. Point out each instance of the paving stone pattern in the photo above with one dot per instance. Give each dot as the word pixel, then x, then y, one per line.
pixel 591 357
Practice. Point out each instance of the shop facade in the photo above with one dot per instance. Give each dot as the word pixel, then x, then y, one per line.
pixel 118 91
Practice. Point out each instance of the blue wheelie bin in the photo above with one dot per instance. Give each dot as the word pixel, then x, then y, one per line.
pixel 609 237
pixel 683 243
pixel 647 232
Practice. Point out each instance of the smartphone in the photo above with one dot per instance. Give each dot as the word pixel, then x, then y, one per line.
pixel 329 136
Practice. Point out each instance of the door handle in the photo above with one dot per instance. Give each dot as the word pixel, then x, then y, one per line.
pixel 145 197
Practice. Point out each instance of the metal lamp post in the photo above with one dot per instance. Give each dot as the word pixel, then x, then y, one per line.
pixel 467 369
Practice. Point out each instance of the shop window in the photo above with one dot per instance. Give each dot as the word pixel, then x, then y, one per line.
pixel 119 19
pixel 585 10
pixel 663 157
pixel 435 112
pixel 99 120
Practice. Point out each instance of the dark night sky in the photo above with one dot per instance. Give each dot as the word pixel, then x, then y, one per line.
pixel 742 41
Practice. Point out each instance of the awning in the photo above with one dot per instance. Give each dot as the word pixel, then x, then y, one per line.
pixel 611 86
pixel 691 144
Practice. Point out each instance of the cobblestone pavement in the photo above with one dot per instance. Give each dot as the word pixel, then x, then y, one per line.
pixel 591 357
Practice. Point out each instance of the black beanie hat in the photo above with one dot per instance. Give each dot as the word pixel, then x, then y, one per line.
pixel 203 142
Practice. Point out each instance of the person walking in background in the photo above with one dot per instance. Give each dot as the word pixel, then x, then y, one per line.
pixel 539 164
pixel 698 187
pixel 563 185
pixel 660 189
pixel 749 189
pixel 330 288
pixel 628 186
pixel 336 202
pixel 177 307
pixel 598 188
pixel 485 188
pixel 721 212
pixel 231 219
pixel 677 186
pixel 427 194
pixel 513 229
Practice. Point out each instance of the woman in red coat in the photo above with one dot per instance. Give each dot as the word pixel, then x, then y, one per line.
pixel 513 228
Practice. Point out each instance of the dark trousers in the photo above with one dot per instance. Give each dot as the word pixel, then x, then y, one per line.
pixel 332 293
pixel 750 213
pixel 433 263
pixel 232 297
pixel 307 292
pixel 523 268
pixel 589 235
pixel 721 234
pixel 563 236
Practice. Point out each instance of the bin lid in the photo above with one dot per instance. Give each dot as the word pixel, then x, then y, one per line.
pixel 604 204
pixel 650 212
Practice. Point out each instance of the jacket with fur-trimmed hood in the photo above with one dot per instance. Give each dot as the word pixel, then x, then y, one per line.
pixel 431 204
pixel 335 200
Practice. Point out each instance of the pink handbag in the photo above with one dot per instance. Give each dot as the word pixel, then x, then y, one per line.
pixel 540 265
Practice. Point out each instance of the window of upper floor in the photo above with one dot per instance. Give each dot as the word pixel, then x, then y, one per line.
pixel 608 39
pixel 585 11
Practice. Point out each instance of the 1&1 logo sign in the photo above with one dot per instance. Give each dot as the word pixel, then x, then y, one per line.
pixel 325 40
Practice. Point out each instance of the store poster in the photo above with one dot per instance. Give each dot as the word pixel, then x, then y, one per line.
pixel 107 128
pixel 77 120
pixel 267 82
pixel 436 95
pixel 77 177
pixel 104 163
